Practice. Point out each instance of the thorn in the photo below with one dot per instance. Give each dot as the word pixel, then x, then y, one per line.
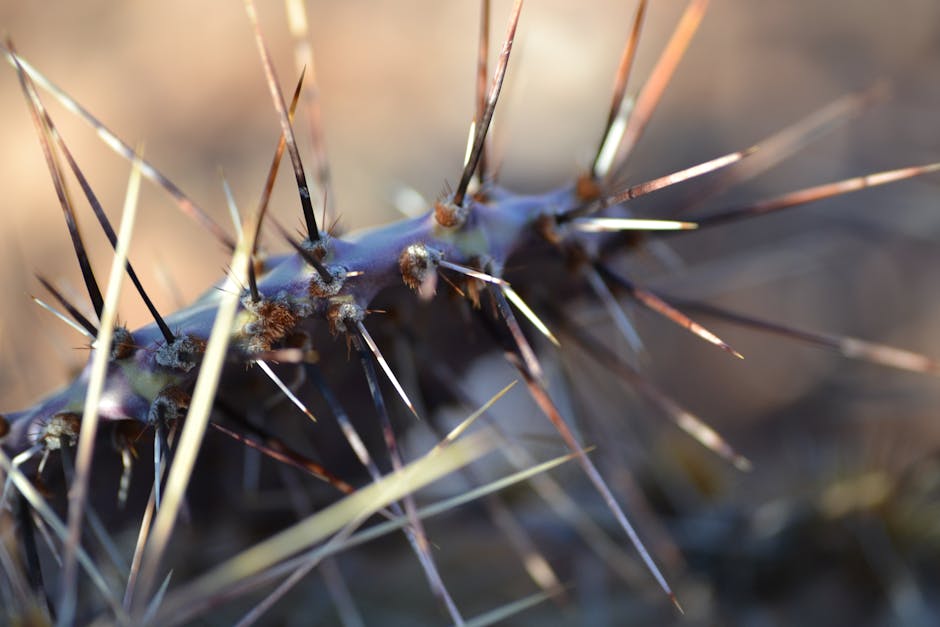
pixel 813 194
pixel 480 139
pixel 61 316
pixel 313 232
pixel 522 344
pixel 69 307
pixel 102 218
pixel 304 63
pixel 476 274
pixel 849 347
pixel 612 135
pixel 788 141
pixel 521 305
pixel 654 303
pixel 33 566
pixel 681 417
pixel 548 407
pixel 265 199
pixel 283 387
pixel 616 312
pixel 349 431
pixel 159 458
pixel 88 275
pixel 307 255
pixel 647 187
pixel 656 84
pixel 187 206
pixel 597 225
pixel 482 57
pixel 277 450
pixel 385 367
pixel 675 603
pixel 415 532
pixel 266 195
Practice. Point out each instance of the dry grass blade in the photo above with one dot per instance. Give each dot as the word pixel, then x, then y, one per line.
pixel 197 419
pixel 99 370
pixel 349 614
pixel 319 526
pixel 536 565
pixel 459 430
pixel 36 501
pixel 313 556
pixel 232 207
pixel 143 533
pixel 509 610
pixel 337 540
pixel 568 510
pixel 18 461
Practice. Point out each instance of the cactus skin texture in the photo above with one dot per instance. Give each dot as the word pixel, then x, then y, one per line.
pixel 410 283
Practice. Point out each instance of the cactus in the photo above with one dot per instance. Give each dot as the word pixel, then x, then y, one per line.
pixel 289 360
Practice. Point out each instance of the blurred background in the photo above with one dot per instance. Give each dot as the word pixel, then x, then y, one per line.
pixel 837 521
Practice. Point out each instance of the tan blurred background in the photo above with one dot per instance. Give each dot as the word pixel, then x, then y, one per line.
pixel 396 80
